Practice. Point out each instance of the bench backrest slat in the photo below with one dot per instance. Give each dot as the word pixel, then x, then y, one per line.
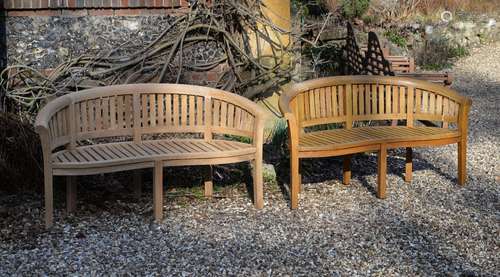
pixel 136 110
pixel 349 99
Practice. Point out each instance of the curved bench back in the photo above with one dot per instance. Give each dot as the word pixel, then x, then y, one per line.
pixel 347 99
pixel 137 109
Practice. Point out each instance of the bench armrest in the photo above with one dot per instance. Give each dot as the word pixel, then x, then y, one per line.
pixel 463 117
pixel 293 124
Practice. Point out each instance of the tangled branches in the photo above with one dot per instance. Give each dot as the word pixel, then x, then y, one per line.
pixel 229 24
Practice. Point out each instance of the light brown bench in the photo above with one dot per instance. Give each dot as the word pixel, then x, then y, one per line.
pixel 349 100
pixel 134 114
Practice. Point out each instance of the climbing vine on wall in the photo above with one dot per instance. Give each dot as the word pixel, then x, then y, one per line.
pixel 228 24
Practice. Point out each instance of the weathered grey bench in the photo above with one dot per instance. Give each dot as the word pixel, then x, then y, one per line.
pixel 135 112
pixel 345 100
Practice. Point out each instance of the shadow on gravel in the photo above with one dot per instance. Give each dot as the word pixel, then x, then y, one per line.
pixel 363 166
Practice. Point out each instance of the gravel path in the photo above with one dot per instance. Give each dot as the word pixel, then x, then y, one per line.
pixel 429 227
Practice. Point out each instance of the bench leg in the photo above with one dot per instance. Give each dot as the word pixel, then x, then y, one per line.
pixel 71 188
pixel 137 185
pixel 258 179
pixel 382 172
pixel 462 160
pixel 295 182
pixel 208 181
pixel 346 170
pixel 409 164
pixel 301 185
pixel 49 198
pixel 158 191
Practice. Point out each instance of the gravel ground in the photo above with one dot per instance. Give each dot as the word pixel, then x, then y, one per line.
pixel 429 227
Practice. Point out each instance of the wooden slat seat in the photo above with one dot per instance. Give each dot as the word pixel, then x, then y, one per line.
pixel 77 131
pixel 345 101
pixel 112 154
pixel 346 138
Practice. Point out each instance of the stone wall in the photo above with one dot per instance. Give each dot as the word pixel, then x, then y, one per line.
pixel 45 41
pixel 45 36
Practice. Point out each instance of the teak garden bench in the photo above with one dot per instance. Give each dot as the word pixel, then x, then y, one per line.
pixel 134 114
pixel 354 101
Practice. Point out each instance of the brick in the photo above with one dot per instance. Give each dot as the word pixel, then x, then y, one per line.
pixel 48 12
pixel 212 76
pixel 72 3
pixel 152 11
pixel 134 3
pixel 44 4
pixel 124 3
pixel 167 3
pixel 195 76
pixel 33 13
pixel 177 11
pixel 106 3
pixel 10 4
pixel 101 12
pixel 53 4
pixel 127 12
pixel 67 12
pixel 21 13
pixel 149 3
pixel 158 3
pixel 26 4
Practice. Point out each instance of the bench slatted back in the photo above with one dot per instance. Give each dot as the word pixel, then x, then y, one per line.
pixel 134 110
pixel 347 99
pixel 59 129
pixel 435 107
pixel 315 106
pixel 171 112
pixel 228 118
pixel 111 115
pixel 378 101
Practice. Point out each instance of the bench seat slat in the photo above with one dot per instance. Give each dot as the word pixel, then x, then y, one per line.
pixel 120 153
pixel 344 138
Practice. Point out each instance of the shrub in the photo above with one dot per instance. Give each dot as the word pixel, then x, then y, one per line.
pixel 354 8
pixel 480 6
pixel 326 59
pixel 331 5
pixel 313 8
pixel 393 10
pixel 459 52
pixel 438 54
pixel 279 134
pixel 394 37
pixel 20 155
